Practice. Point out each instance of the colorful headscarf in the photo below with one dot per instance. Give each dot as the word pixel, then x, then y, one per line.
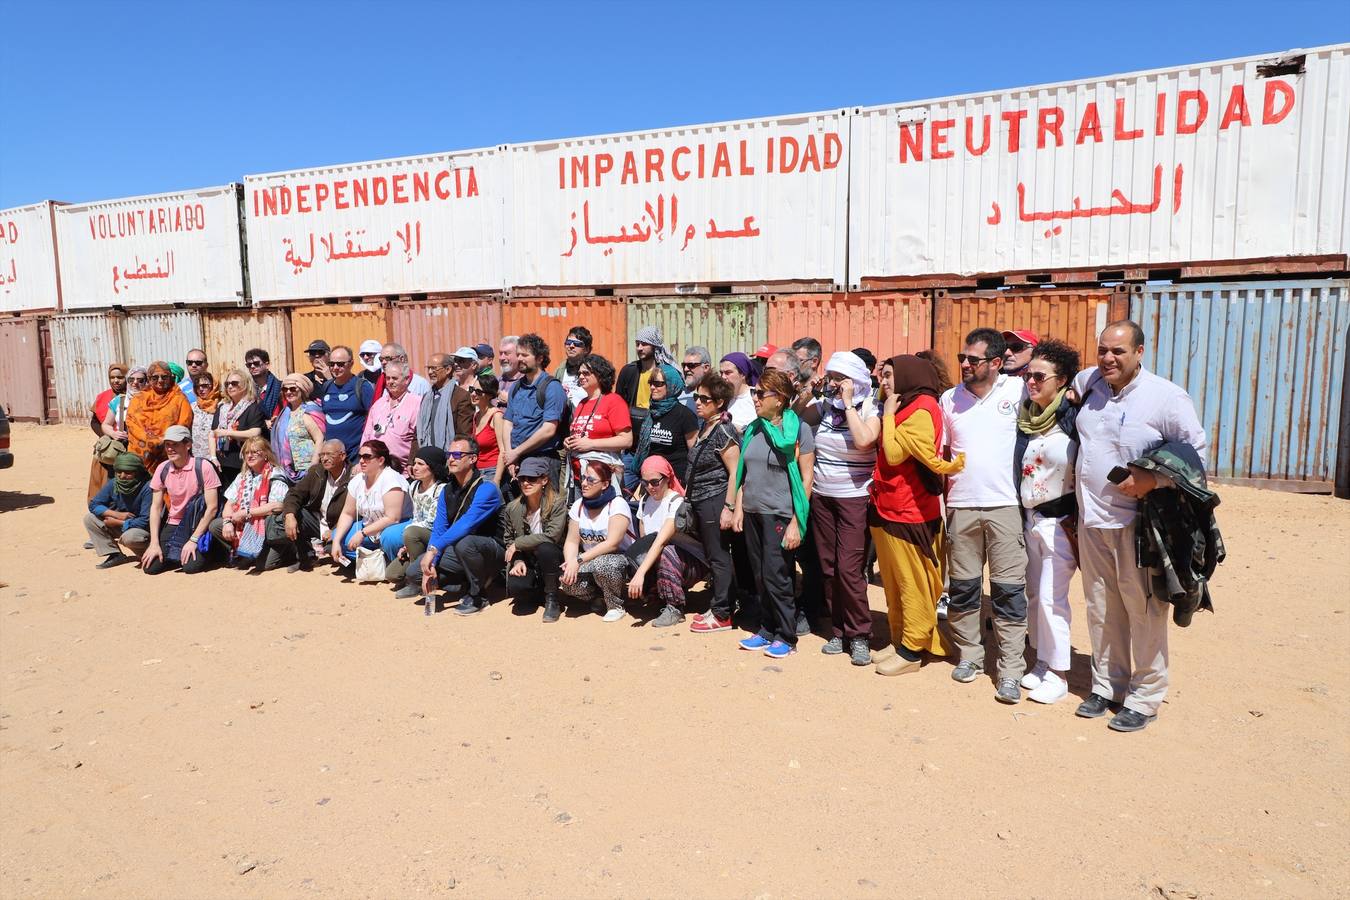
pixel 912 377
pixel 658 408
pixel 650 334
pixel 176 371
pixel 659 465
pixel 742 364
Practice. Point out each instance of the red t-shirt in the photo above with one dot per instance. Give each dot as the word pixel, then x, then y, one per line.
pixel 603 417
pixel 102 402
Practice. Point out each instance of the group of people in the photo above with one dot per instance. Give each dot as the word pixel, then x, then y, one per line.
pixel 778 478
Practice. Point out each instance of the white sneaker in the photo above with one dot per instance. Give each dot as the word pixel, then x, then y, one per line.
pixel 1053 688
pixel 613 615
pixel 1033 679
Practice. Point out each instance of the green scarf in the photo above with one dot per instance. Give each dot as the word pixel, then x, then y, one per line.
pixel 1032 421
pixel 129 462
pixel 784 441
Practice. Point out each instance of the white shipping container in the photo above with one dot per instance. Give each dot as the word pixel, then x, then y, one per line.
pixel 28 276
pixel 761 200
pixel 181 247
pixel 1233 160
pixel 395 226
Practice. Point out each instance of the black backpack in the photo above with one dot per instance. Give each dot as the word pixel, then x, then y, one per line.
pixel 565 422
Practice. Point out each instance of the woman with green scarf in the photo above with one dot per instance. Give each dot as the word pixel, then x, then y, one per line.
pixel 773 487
pixel 120 512
pixel 1047 446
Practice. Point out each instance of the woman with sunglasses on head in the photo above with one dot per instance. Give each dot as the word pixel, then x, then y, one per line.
pixel 601 423
pixel 238 418
pixel 254 495
pixel 711 493
pixel 535 529
pixel 489 427
pixel 598 532
pixel 405 541
pixel 207 394
pixel 298 433
pixel 668 561
pixel 377 498
pixel 152 413
pixel 773 490
pixel 1047 448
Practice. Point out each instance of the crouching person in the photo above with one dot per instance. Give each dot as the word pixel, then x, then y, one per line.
pixel 463 550
pixel 120 513
pixel 185 500
pixel 535 528
pixel 311 509
pixel 255 495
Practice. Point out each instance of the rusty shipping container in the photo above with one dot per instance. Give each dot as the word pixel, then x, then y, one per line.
pixel 605 317
pixel 1264 363
pixel 723 324
pixel 228 334
pixel 83 346
pixel 443 326
pixel 339 323
pixel 29 280
pixel 1076 317
pixel 166 336
pixel 885 322
pixel 23 391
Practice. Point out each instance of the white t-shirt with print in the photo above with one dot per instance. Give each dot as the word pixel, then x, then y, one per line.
pixel 985 430
pixel 652 514
pixel 596 531
pixel 370 501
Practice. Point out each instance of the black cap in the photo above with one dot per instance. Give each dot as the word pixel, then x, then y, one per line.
pixel 318 346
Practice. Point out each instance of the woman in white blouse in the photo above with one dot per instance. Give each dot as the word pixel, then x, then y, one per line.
pixel 377 497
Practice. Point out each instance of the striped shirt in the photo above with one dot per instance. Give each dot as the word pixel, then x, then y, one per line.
pixel 842 470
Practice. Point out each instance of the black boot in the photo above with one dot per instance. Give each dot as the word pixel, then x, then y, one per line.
pixel 552 608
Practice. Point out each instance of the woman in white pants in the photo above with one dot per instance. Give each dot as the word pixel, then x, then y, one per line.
pixel 1046 447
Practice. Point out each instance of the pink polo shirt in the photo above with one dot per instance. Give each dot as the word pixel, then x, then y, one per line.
pixel 180 485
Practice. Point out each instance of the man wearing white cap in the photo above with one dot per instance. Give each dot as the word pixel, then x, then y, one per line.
pixel 369 351
pixel 466 367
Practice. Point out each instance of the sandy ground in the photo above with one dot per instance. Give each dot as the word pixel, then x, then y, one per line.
pixel 233 736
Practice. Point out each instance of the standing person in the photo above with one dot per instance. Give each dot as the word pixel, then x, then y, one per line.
pixel 634 379
pixel 115 422
pixel 402 543
pixel 318 373
pixel 485 357
pixel 346 401
pixel 299 430
pixel 577 347
pixel 119 514
pixel 186 496
pixel 1126 411
pixel 759 360
pixel 266 386
pixel 535 528
pixel 208 397
pixel 808 351
pixel 600 422
pixel 370 361
pixel 1017 351
pixel 196 365
pixel 395 353
pixel 312 508
pixel 393 416
pixel 984 519
pixel 463 548
pixel 466 367
pixel 447 412
pixel 846 454
pixel 377 498
pixel 735 370
pixel 237 418
pixel 1047 447
pixel 696 366
pixel 713 459
pixel 152 413
pixel 670 427
pixel 667 562
pixel 599 531
pixel 773 490
pixel 508 361
pixel 99 472
pixel 535 409
pixel 905 520
pixel 489 428
pixel 255 495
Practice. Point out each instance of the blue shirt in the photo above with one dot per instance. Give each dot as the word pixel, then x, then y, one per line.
pixel 138 504
pixel 479 518
pixel 344 412
pixel 525 415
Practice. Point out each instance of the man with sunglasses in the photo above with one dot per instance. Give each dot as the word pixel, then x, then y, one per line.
pixel 1018 345
pixel 447 412
pixel 369 353
pixel 697 363
pixel 346 401
pixel 463 548
pixel 394 353
pixel 577 347
pixel 265 384
pixel 984 518
pixel 194 365
pixel 318 374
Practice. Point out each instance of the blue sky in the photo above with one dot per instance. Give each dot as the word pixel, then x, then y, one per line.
pixel 113 99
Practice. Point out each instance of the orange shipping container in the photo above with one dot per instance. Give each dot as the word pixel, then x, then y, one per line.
pixel 884 322
pixel 348 324
pixel 552 318
pixel 443 326
pixel 1076 317
pixel 229 334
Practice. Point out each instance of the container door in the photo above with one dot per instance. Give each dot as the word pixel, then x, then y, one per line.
pixel 230 334
pixel 723 325
pixel 83 346
pixel 166 336
pixel 886 323
pixel 552 318
pixel 21 392
pixel 425 329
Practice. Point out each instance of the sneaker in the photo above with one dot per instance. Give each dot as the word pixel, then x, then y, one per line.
pixel 1033 679
pixel 469 605
pixel 942 605
pixel 613 615
pixel 966 672
pixel 1008 691
pixel 669 616
pixel 407 592
pixel 1052 689
pixel 833 647
pixel 710 622
pixel 303 564
pixel 779 650
pixel 113 559
pixel 803 626
pixel 860 652
pixel 754 642
pixel 1129 720
pixel 1094 707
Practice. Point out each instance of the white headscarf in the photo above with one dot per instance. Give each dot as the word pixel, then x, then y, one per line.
pixel 849 365
pixel 371 346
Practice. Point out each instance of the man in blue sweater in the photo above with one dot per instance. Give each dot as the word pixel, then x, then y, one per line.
pixel 121 512
pixel 463 548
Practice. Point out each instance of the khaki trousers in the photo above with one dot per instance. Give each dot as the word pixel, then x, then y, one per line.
pixel 975 537
pixel 1128 628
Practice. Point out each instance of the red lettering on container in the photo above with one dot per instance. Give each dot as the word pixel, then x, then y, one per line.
pixel 654 158
pixel 1014 120
pixel 421 186
pixel 1201 111
pixel 400 192
pixel 911 141
pixel 833 143
pixel 676 172
pixel 1090 126
pixel 970 137
pixel 1236 109
pixel 630 173
pixel 1269 115
pixel 603 163
pixel 1119 131
pixel 321 192
pixel 937 139
pixel 1049 121
pixel 340 194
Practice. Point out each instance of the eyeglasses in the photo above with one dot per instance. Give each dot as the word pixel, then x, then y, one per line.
pixel 591 479
pixel 139 379
pixel 1017 346
pixel 1037 377
pixel 585 373
pixel 534 479
pixel 196 362
pixel 161 378
pixel 389 359
pixel 461 363
pixel 703 398
pixel 479 391
pixel 252 453
pixel 654 482
pixel 968 359
pixel 432 367
pixel 230 384
pixel 339 363
pixel 689 366
pixel 367 355
pixel 460 454
pixel 314 353
pixel 573 342
pixel 654 383
pixel 290 390
pixel 366 457
pixel 254 363
pixel 761 393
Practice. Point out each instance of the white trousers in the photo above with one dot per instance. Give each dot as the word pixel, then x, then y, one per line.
pixel 1050 565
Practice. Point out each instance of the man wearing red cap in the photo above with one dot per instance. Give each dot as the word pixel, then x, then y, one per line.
pixel 1017 355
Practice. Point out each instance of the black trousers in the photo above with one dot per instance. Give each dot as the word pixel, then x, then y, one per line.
pixel 543 564
pixel 281 549
pixel 471 562
pixel 717 548
pixel 773 566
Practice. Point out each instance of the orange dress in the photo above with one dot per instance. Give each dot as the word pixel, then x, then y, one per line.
pixel 151 414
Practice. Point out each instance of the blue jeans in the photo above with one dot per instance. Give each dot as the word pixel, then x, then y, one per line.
pixel 391 539
pixel 369 543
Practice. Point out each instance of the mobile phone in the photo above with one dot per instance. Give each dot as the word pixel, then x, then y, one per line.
pixel 1118 475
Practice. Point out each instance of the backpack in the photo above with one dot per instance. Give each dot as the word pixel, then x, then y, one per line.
pixel 193 512
pixel 564 421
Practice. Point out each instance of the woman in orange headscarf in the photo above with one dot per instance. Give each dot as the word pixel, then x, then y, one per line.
pixel 154 412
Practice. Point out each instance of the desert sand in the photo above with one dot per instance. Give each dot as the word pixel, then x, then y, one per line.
pixel 225 735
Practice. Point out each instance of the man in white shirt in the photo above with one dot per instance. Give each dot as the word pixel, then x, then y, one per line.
pixel 984 519
pixel 1126 411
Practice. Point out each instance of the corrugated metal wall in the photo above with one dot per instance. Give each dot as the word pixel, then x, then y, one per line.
pixel 83 346
pixel 21 389
pixel 348 324
pixel 228 334
pixel 886 323
pixel 552 318
pixel 1073 316
pixel 1263 363
pixel 444 326
pixel 166 336
pixel 722 324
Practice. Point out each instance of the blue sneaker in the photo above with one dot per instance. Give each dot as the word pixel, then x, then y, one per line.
pixel 754 642
pixel 780 650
